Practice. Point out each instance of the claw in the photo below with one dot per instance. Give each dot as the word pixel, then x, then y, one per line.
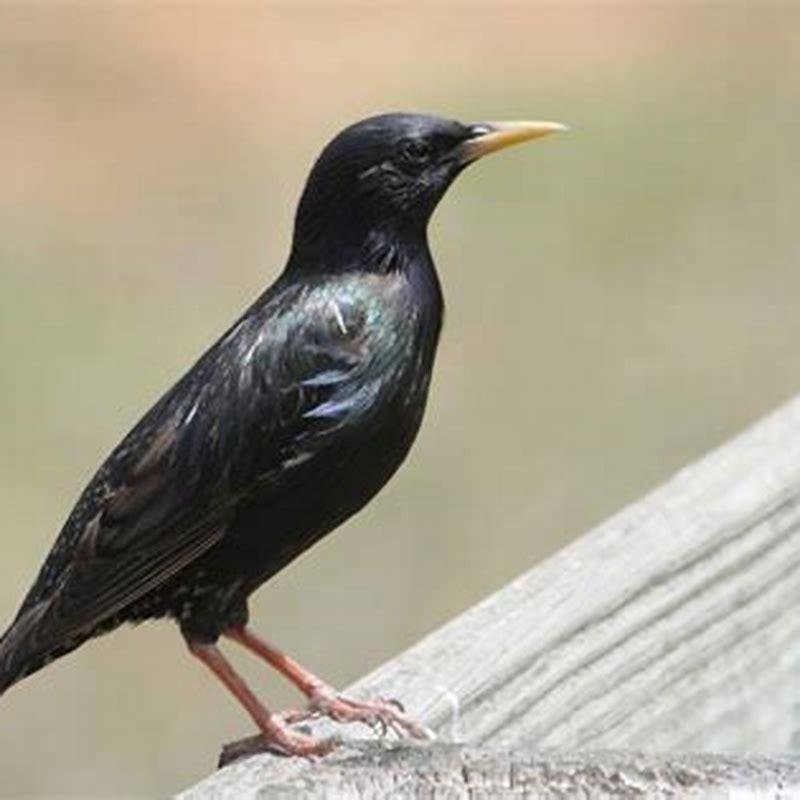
pixel 294 715
pixel 393 701
pixel 380 726
pixel 382 716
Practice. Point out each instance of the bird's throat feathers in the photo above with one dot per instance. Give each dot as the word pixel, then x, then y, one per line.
pixel 338 249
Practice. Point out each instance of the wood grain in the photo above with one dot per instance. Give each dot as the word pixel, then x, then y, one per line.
pixel 375 771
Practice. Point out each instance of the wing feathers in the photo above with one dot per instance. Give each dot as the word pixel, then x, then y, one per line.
pixel 267 399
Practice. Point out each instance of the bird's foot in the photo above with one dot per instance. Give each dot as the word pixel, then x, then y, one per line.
pixel 381 715
pixel 287 742
pixel 280 740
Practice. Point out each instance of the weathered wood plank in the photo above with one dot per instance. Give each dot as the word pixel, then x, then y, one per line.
pixel 674 626
pixel 374 771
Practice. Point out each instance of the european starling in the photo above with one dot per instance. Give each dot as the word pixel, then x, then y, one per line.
pixel 283 429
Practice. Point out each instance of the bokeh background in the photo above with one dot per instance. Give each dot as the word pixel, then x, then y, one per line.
pixel 621 300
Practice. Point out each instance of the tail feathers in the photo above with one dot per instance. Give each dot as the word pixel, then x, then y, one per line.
pixel 6 676
pixel 15 652
pixel 25 647
pixel 9 668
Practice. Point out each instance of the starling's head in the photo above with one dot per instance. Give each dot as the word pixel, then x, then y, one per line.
pixel 386 174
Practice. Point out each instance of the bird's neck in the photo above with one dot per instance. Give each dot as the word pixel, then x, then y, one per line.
pixel 349 248
pixel 380 250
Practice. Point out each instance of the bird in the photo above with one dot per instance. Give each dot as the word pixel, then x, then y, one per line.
pixel 283 429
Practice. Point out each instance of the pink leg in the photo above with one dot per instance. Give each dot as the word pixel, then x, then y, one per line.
pixel 322 698
pixel 275 733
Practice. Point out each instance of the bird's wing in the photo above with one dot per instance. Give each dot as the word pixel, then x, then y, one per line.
pixel 265 400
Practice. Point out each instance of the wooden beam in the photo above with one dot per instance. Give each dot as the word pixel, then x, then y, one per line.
pixel 674 626
pixel 375 771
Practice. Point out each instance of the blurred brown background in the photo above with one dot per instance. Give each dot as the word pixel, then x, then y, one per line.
pixel 621 300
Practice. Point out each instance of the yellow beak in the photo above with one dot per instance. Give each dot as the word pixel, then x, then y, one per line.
pixel 492 136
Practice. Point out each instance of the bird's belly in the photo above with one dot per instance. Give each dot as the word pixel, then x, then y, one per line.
pixel 270 532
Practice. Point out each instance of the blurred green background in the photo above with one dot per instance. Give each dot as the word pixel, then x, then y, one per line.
pixel 620 300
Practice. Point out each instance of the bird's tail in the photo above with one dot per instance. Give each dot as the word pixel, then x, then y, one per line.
pixel 26 648
pixel 34 639
pixel 7 673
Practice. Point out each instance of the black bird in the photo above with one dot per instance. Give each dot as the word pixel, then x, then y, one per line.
pixel 283 429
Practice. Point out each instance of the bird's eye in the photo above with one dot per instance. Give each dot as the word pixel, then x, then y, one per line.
pixel 415 151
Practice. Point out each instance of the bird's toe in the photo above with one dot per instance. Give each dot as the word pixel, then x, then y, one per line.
pixel 381 715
